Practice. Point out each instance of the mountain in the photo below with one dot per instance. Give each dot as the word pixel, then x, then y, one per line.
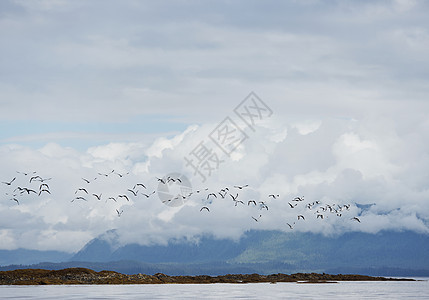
pixel 386 253
pixel 277 251
pixel 25 256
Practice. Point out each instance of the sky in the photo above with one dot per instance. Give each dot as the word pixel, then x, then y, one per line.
pixel 321 99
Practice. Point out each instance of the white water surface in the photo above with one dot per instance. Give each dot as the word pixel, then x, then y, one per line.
pixel 341 290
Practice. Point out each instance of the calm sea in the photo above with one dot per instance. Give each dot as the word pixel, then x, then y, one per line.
pixel 341 290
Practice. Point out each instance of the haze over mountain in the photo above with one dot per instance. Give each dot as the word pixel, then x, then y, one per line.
pixel 326 101
pixel 384 253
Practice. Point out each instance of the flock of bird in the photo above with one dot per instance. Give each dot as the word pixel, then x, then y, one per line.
pixel 36 185
pixel 318 210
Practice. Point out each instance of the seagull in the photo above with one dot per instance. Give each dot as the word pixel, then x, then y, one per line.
pixel 290 226
pixel 44 191
pixel 35 177
pixel 122 175
pixel 356 219
pixel 251 201
pixel 274 196
pixel 10 182
pixel 88 181
pixel 43 179
pixel 119 213
pixel 25 173
pixel 240 187
pixel 292 206
pixel 81 189
pixel 298 198
pixel 205 207
pixel 28 191
pixel 146 195
pixel 111 198
pixel 97 196
pixel 123 196
pixel 238 201
pixel 257 219
pixel 301 217
pixel 211 194
pixel 16 200
pixel 139 184
pixel 319 216
pixel 161 180
pixel 234 198
pixel 134 192
pixel 18 188
pixel 79 198
pixel 43 186
pixel 102 174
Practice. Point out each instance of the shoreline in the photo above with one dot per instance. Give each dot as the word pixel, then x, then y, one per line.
pixel 80 276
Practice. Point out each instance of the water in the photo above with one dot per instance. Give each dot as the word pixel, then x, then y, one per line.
pixel 341 290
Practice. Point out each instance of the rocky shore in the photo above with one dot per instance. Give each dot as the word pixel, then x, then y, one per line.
pixel 87 276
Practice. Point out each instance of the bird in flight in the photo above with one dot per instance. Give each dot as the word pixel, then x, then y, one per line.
pixel 25 173
pixel 204 207
pixel 240 187
pixel 28 191
pixel 211 194
pixel 238 201
pixel 355 219
pixel 10 182
pixel 88 181
pixel 123 196
pixel 16 200
pixel 301 217
pixel 82 190
pixel 119 212
pixel 38 178
pixel 161 180
pixel 133 192
pixel 97 196
pixel 251 201
pixel 234 198
pixel 148 195
pixel 35 178
pixel 274 196
pixel 290 226
pixel 291 205
pixel 79 198
pixel 139 184
pixel 44 186
pixel 122 175
pixel 44 190
pixel 298 198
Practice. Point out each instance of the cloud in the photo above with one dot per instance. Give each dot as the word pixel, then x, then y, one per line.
pixel 92 87
pixel 351 168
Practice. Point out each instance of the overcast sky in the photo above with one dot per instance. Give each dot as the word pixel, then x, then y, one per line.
pixel 87 87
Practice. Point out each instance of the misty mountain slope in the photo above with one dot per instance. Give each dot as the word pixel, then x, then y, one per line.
pixel 303 250
pixel 26 256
